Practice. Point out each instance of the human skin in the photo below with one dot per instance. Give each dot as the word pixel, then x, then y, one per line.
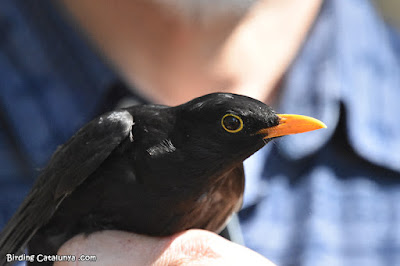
pixel 170 59
pixel 193 247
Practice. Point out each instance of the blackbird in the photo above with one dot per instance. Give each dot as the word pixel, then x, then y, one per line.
pixel 149 169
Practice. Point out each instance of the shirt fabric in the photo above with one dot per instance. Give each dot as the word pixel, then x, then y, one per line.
pixel 328 197
pixel 51 83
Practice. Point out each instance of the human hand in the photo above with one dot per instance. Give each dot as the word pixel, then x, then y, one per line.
pixel 192 247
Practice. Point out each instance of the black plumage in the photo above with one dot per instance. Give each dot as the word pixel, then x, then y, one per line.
pixel 148 169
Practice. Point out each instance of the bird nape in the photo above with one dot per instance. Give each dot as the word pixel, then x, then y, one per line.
pixel 148 169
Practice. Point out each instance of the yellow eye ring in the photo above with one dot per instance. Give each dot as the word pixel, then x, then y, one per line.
pixel 232 123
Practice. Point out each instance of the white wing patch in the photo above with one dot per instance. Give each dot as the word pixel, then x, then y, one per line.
pixel 164 147
pixel 117 116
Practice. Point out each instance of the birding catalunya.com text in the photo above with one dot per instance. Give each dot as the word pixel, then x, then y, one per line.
pixel 47 258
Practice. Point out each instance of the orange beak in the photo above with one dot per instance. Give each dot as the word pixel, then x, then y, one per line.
pixel 292 124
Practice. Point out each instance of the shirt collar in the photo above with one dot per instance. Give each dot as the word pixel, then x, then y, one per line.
pixel 350 57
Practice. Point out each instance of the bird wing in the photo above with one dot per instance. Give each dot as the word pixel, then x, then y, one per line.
pixel 69 166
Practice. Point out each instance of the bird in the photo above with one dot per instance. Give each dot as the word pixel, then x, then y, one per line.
pixel 148 169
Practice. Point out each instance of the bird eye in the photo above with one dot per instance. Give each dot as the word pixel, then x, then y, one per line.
pixel 232 123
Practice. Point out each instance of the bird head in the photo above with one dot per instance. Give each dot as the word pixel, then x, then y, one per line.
pixel 208 135
pixel 234 126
